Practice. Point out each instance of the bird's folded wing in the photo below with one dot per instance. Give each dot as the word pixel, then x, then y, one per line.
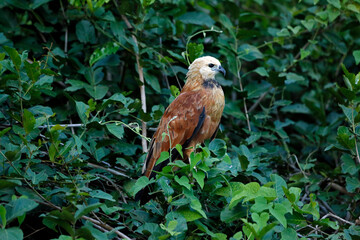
pixel 181 121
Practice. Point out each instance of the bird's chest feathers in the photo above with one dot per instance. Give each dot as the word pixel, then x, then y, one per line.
pixel 214 98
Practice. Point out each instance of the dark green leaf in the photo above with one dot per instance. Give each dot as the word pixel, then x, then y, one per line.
pixel 28 121
pixel 86 209
pixel 197 18
pixel 85 32
pixel 13 233
pixel 195 50
pixel 14 55
pixel 116 129
pixel 19 207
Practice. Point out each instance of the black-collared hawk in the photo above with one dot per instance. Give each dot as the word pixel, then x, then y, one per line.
pixel 191 118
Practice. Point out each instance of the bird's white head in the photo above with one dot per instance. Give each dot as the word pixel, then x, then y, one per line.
pixel 207 66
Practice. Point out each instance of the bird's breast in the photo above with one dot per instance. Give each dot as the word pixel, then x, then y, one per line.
pixel 214 101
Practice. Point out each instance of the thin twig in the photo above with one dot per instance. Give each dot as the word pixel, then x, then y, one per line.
pixel 105 226
pixel 297 161
pixel 95 222
pixel 34 232
pixel 114 185
pixel 142 87
pixel 340 189
pixel 108 169
pixel 252 108
pixel 338 218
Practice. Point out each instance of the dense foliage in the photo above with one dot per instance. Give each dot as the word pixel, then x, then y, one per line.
pixel 285 164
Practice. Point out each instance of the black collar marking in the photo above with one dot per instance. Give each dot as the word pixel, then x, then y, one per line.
pixel 210 83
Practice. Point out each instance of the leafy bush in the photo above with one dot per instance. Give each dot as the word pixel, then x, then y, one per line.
pixel 80 79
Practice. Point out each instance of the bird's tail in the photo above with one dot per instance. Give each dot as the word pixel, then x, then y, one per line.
pixel 143 195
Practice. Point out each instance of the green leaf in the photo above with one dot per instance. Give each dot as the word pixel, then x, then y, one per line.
pixel 164 183
pixel 348 164
pixel 247 192
pixel 353 8
pixel 350 113
pixel 345 138
pixel 261 219
pixel 196 205
pixel 163 157
pixel 279 184
pixel 146 3
pixel 32 70
pixel 28 121
pixel 106 50
pixel 195 158
pixel 197 18
pixel 38 3
pixel 218 147
pixel 96 91
pixel 262 72
pixel 3 216
pixel 19 207
pixel 226 22
pixel 153 81
pixel 229 215
pixel 15 57
pixel 288 234
pixel 308 24
pixel 335 3
pixel 249 52
pixel 312 207
pixel 85 209
pixel 283 33
pixel 304 53
pixel 4 131
pixel 116 129
pixel 183 181
pixel 85 32
pixel 199 177
pixel 81 109
pixel 13 233
pixel 179 149
pixel 260 205
pixel 140 184
pixel 279 212
pixel 237 236
pixel 189 215
pixel 195 50
pixel 37 178
pixel 102 195
pixel 352 183
pixel 356 55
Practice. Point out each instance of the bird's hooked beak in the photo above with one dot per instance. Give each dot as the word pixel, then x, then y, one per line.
pixel 221 69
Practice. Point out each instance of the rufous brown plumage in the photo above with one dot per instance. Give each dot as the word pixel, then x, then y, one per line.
pixel 192 117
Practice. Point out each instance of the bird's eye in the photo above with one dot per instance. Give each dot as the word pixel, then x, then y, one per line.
pixel 211 65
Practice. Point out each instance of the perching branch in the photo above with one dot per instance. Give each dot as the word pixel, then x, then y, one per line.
pixel 142 87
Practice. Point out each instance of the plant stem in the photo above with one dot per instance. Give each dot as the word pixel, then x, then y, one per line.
pixel 142 87
pixel 238 67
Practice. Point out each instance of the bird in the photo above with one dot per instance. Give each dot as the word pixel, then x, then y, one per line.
pixel 193 117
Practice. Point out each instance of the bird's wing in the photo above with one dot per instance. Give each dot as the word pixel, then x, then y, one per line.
pixel 181 121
